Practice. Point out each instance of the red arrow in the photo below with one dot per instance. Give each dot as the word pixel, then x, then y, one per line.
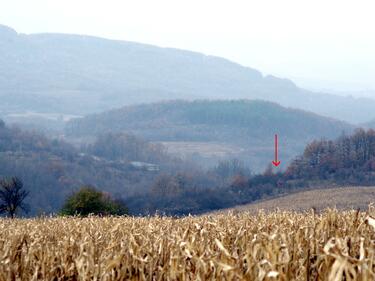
pixel 276 162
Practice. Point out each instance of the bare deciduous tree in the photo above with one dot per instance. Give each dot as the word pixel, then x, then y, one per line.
pixel 12 196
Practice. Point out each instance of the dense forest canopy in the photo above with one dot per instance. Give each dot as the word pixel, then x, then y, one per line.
pixel 181 120
pixel 349 159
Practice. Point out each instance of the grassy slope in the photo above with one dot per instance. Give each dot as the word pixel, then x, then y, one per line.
pixel 341 198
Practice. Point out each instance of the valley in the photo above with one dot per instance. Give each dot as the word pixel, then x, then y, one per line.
pixel 187 140
pixel 153 125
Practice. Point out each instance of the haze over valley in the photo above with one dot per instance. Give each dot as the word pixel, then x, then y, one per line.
pixel 138 119
pixel 187 140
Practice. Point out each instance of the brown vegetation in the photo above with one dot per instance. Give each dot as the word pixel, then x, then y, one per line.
pixel 342 198
pixel 278 246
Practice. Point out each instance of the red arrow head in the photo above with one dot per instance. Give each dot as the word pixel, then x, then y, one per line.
pixel 276 163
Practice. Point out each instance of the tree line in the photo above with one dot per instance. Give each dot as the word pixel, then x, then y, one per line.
pixel 87 200
pixel 348 160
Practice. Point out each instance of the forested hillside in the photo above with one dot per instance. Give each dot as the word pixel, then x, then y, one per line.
pixel 52 169
pixel 347 161
pixel 247 126
pixel 150 180
pixel 181 120
pixel 58 73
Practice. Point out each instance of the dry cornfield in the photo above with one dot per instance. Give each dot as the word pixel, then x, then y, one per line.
pixel 332 245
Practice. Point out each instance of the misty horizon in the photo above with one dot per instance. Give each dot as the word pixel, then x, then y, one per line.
pixel 305 46
pixel 187 140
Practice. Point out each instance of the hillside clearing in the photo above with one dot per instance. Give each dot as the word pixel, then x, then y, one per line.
pixel 205 149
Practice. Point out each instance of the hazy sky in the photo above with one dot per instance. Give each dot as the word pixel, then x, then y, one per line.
pixel 318 43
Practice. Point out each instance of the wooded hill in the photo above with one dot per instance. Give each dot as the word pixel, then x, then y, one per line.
pixel 247 125
pixel 347 161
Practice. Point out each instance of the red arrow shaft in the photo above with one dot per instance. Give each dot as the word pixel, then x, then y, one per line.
pixel 276 148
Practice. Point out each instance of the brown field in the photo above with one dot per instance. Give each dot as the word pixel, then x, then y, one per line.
pixel 333 245
pixel 205 149
pixel 341 198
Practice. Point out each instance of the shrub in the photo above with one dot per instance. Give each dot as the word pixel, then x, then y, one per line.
pixel 88 200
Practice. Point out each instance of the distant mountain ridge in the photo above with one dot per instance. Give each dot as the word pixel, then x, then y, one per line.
pixel 74 74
